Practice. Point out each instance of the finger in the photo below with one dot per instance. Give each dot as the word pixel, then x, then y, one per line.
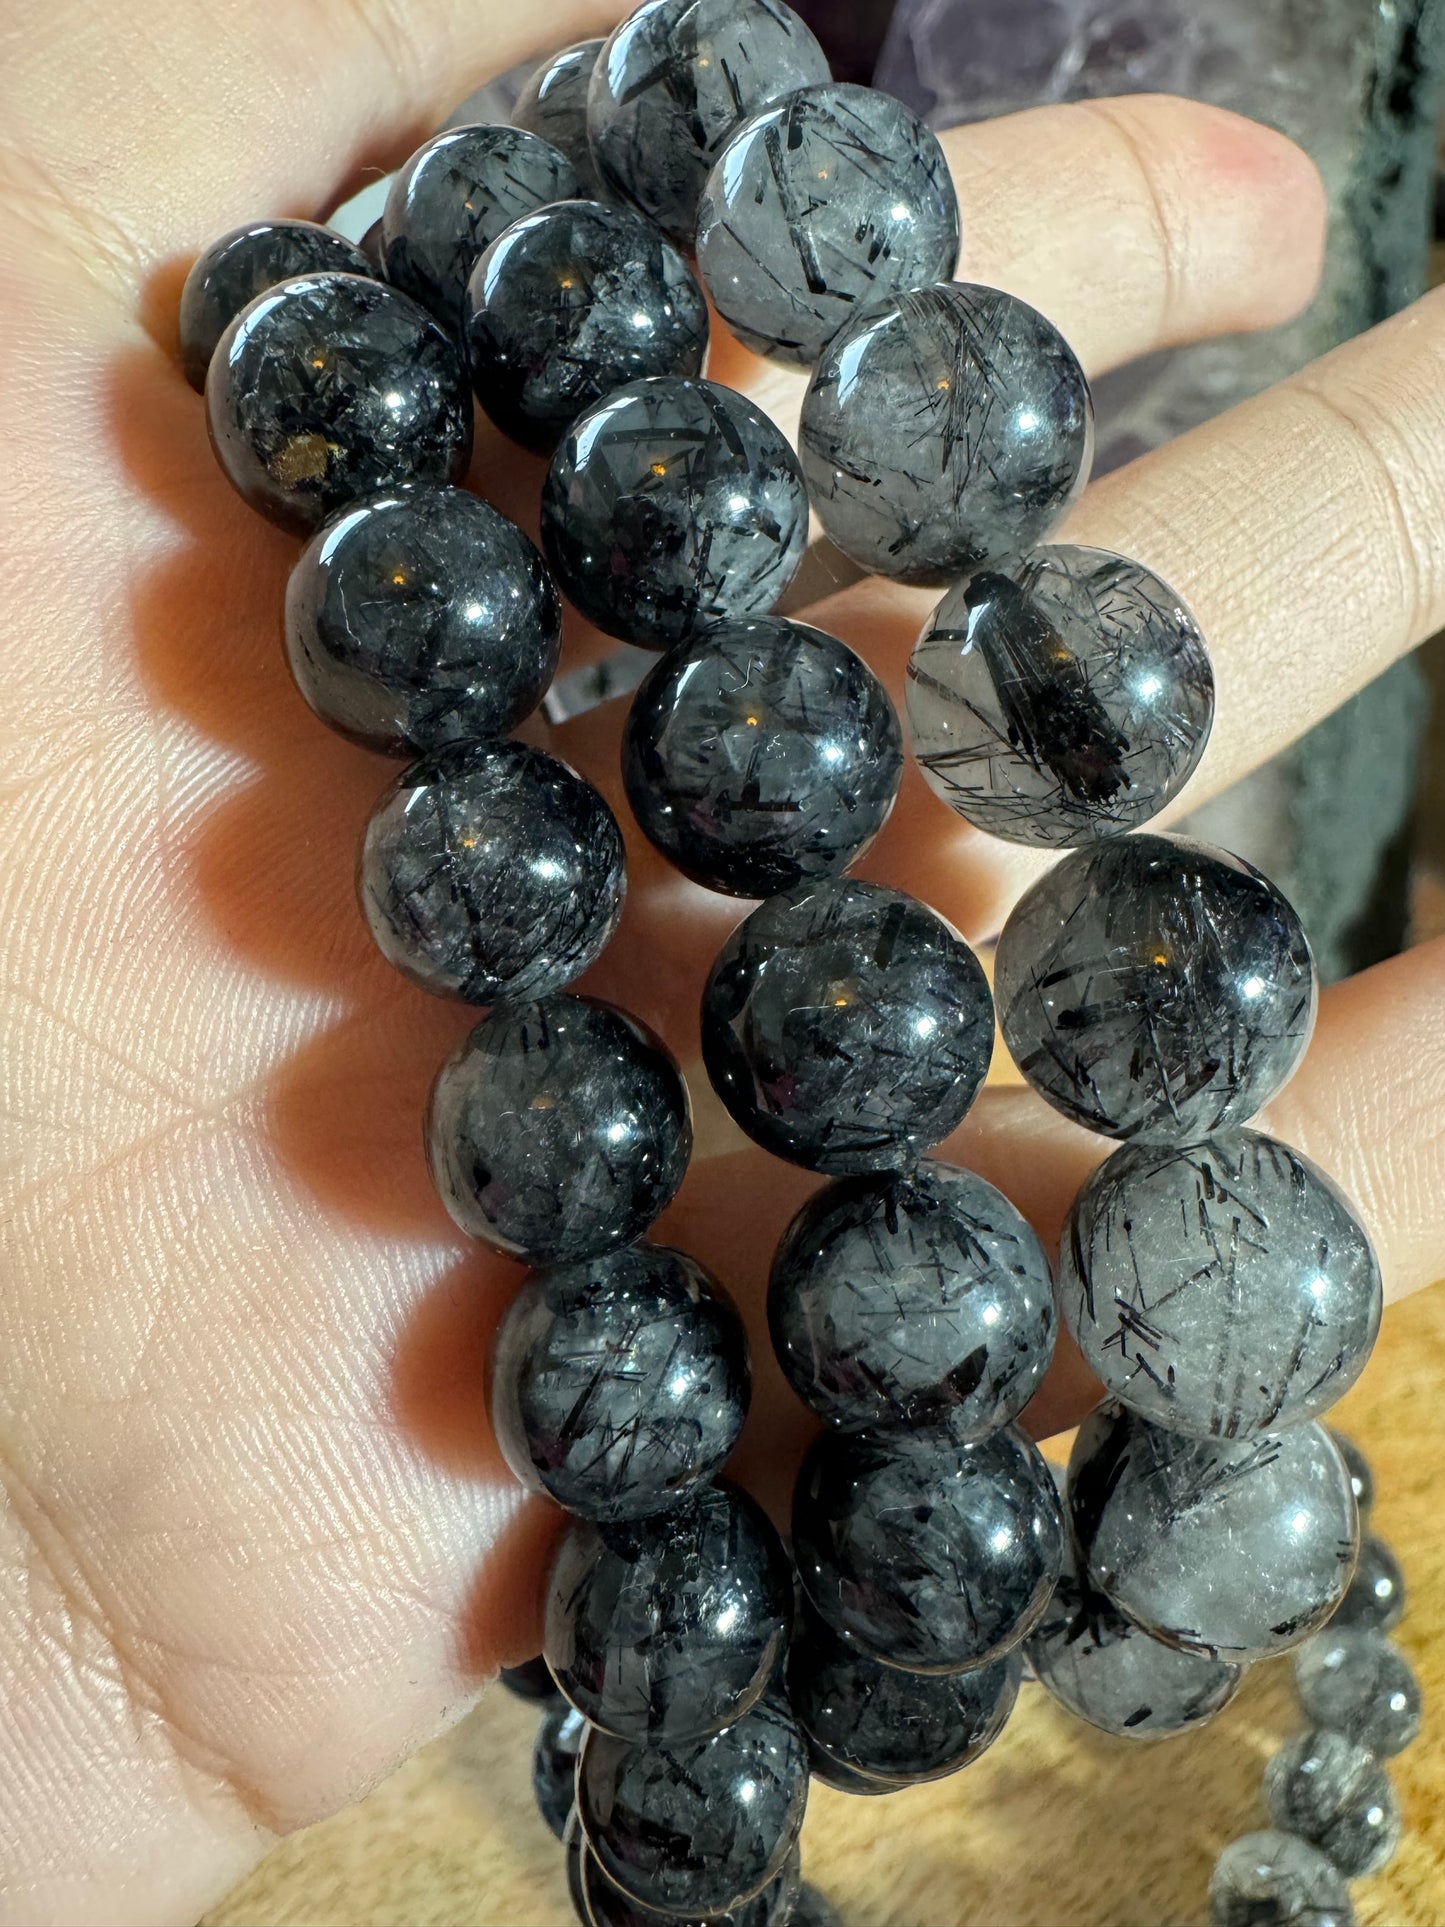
pixel 192 121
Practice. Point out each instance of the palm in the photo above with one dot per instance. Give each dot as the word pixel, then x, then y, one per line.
pixel 259 1542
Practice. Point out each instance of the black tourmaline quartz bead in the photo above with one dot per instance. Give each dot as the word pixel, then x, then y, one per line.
pixel 571 303
pixel 1059 697
pixel 329 387
pixel 554 1763
pixel 422 616
pixel 910 1296
pixel 575 1855
pixel 674 81
pixel 532 1680
pixel 605 1904
pixel 234 269
pixel 1223 1289
pixel 1362 1479
pixel 491 870
pixel 619 1386
pixel 1236 1548
pixel 1354 1681
pixel 454 197
pixel 696 1827
pixel 1376 1598
pixel 1154 989
pixel 1272 1879
pixel 891 1726
pixel 668 1629
pixel 1334 1793
pixel 558 1130
pixel 925 1553
pixel 553 105
pixel 943 427
pixel 846 1027
pixel 822 205
pixel 760 755
pixel 670 505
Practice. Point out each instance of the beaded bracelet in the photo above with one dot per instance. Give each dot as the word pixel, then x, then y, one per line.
pixel 1155 991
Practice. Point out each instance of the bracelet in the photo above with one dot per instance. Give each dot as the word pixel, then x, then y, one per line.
pixel 698 1670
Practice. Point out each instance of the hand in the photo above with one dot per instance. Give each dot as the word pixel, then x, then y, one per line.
pixel 258 1542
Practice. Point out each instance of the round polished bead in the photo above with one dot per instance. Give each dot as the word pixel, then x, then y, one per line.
pixel 673 504
pixel 243 263
pixel 846 1027
pixel 329 387
pixel 812 1910
pixel 885 1724
pixel 1108 1671
pixel 1270 1879
pixel 554 1764
pixel 1234 1548
pixel 905 1297
pixel 553 105
pixel 559 1129
pixel 696 1826
pixel 943 427
pixel 668 1629
pixel 1335 1794
pixel 421 616
pixel 673 82
pixel 1352 1680
pixel 827 202
pixel 491 871
pixel 1155 989
pixel 570 304
pixel 574 1863
pixel 760 755
pixel 619 1385
pixel 1362 1479
pixel 532 1681
pixel 775 1906
pixel 1223 1290
pixel 1377 1592
pixel 1058 697
pixel 454 197
pixel 925 1553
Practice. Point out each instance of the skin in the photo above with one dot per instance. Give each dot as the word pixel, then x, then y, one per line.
pixel 257 1543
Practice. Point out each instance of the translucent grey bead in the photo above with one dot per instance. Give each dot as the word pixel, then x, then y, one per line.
pixel 1108 1671
pixel 673 82
pixel 1377 1592
pixel 454 197
pixel 761 754
pixel 491 870
pixel 696 1826
pixel 1362 1479
pixel 812 1910
pixel 889 1725
pixel 421 616
pixel 1354 1681
pixel 243 263
pixel 558 1129
pixel 775 1906
pixel 554 1764
pixel 553 105
pixel 905 1297
pixel 668 1629
pixel 846 1027
pixel 619 1385
pixel 1234 1548
pixel 1155 989
pixel 672 504
pixel 1060 696
pixel 329 387
pixel 1270 1879
pixel 1223 1290
pixel 1335 1794
pixel 925 1553
pixel 818 206
pixel 574 1862
pixel 569 304
pixel 530 1681
pixel 943 427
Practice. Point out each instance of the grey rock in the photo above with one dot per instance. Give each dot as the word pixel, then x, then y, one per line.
pixel 1154 989
pixel 1353 1680
pixel 1335 1794
pixel 818 207
pixel 944 427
